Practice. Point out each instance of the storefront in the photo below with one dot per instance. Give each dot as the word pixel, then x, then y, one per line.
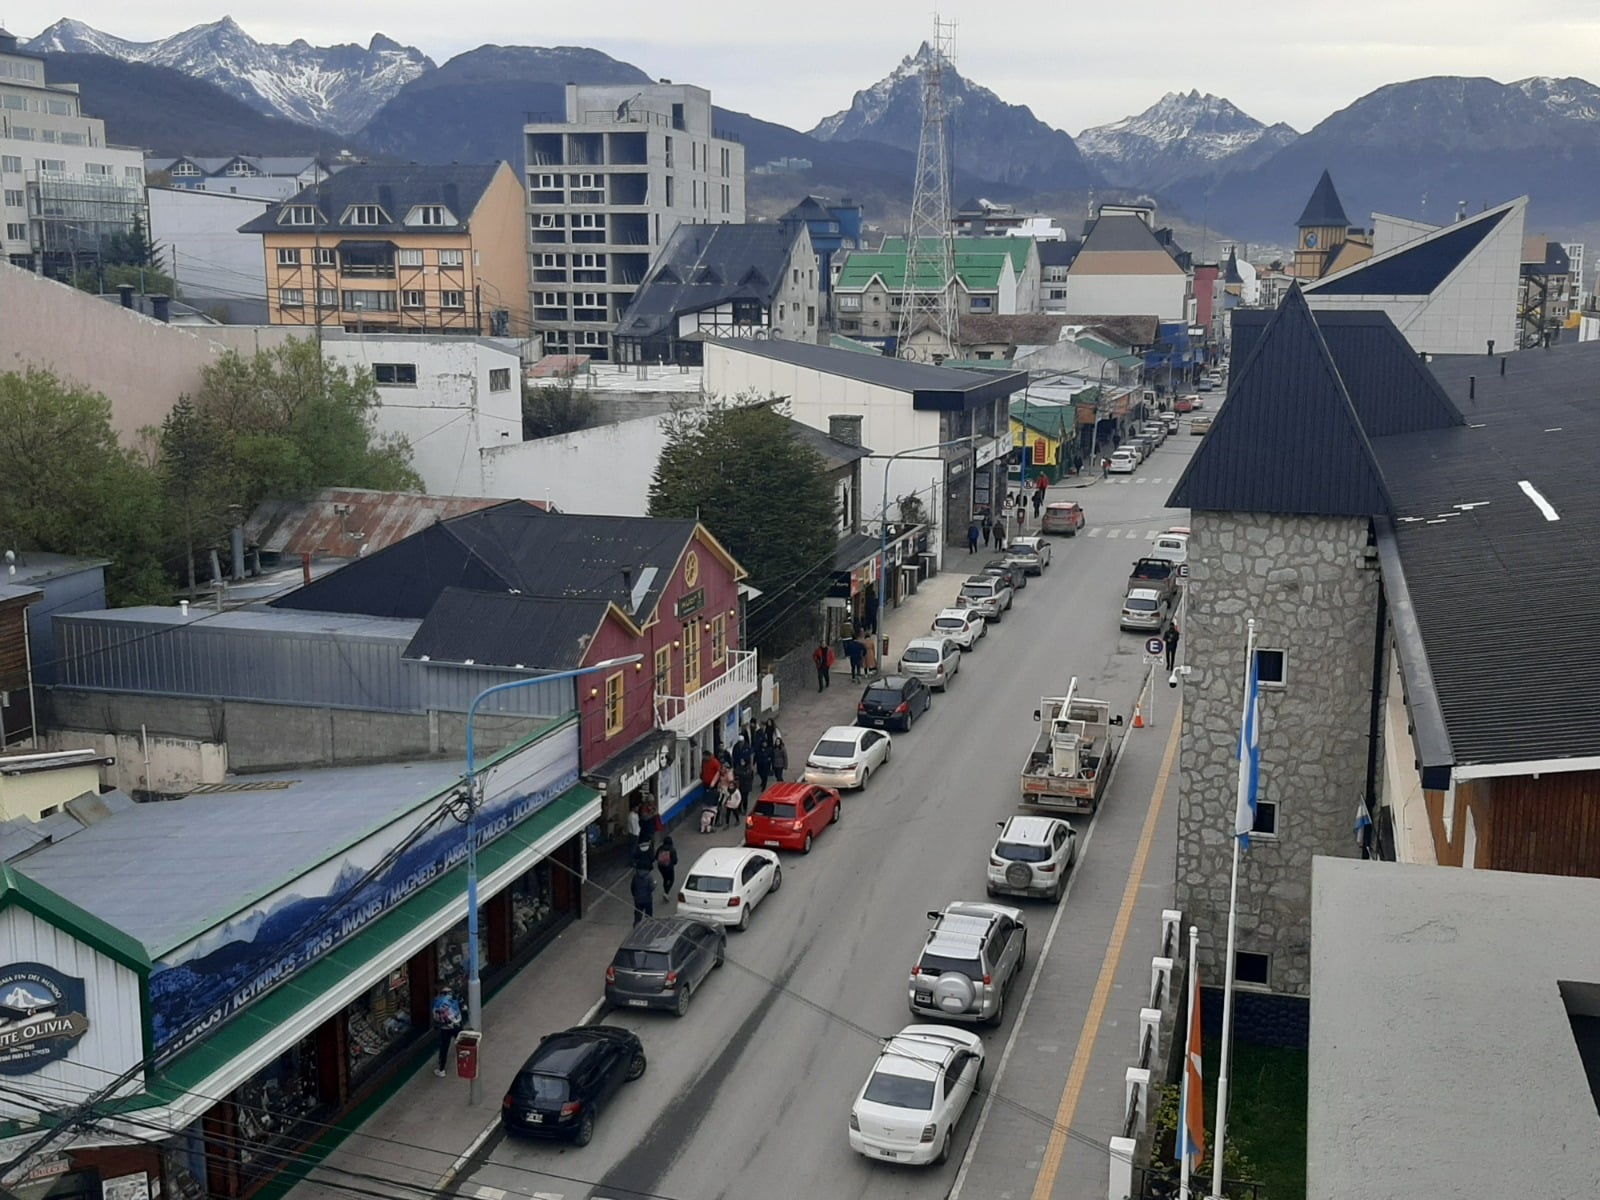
pixel 628 779
pixel 251 1072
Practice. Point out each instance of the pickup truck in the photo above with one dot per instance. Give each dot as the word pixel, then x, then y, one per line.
pixel 1158 573
pixel 1071 761
pixel 988 594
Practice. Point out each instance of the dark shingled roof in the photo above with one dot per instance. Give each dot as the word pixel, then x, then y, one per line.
pixel 1059 253
pixel 1230 273
pixel 397 190
pixel 503 629
pixel 1288 439
pixel 1323 210
pixel 702 266
pixel 1415 268
pixel 1119 233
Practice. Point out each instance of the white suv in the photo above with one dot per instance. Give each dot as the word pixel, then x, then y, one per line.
pixel 1032 857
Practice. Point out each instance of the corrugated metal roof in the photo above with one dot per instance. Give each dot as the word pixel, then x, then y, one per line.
pixel 920 379
pixel 351 522
pixel 1288 439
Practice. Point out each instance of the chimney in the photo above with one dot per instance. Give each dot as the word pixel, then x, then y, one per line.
pixel 1491 347
pixel 125 290
pixel 8 42
pixel 846 428
pixel 161 307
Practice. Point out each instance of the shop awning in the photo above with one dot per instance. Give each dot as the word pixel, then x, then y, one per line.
pixel 627 770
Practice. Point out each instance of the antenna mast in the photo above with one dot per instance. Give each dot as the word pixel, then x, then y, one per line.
pixel 928 296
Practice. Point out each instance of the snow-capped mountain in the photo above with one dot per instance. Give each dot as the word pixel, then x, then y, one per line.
pixel 1572 98
pixel 1182 136
pixel 992 140
pixel 332 87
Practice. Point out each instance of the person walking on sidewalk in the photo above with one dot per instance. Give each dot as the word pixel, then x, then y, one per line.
pixel 988 529
pixel 732 804
pixel 446 1024
pixel 822 658
pixel 667 864
pixel 1038 499
pixel 856 651
pixel 644 894
pixel 780 757
pixel 764 759
pixel 1170 637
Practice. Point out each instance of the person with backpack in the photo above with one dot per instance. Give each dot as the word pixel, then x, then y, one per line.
pixel 667 864
pixel 446 1024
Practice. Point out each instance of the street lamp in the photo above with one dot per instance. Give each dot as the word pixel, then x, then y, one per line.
pixel 1100 395
pixel 474 802
pixel 883 527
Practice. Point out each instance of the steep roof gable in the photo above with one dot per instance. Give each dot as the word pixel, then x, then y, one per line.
pixel 1288 439
pixel 1323 210
pixel 703 266
pixel 1418 267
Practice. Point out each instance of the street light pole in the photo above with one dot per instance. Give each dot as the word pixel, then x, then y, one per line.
pixel 474 802
pixel 883 527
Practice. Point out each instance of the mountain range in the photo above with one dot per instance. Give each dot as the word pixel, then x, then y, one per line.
pixel 1416 148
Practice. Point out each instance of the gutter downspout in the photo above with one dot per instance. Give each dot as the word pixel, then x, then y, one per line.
pixel 1375 719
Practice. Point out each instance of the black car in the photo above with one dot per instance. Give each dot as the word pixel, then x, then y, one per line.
pixel 568 1079
pixel 1016 578
pixel 662 962
pixel 893 700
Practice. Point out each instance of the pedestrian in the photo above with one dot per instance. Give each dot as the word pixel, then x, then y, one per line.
pixel 780 757
pixel 1171 639
pixel 667 864
pixel 1038 501
pixel 1022 512
pixel 972 538
pixel 649 817
pixel 644 895
pixel 764 761
pixel 822 658
pixel 446 1024
pixel 634 825
pixel 741 756
pixel 856 651
pixel 988 529
pixel 1105 466
pixel 745 781
pixel 710 768
pixel 732 804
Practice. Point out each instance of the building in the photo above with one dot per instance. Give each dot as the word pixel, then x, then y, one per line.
pixel 984 218
pixel 216 266
pixel 1505 1071
pixel 64 192
pixel 16 664
pixel 1055 264
pixel 1547 292
pixel 713 281
pixel 606 187
pixel 262 176
pixel 346 523
pixel 65 585
pixel 1126 265
pixel 425 249
pixel 833 228
pixel 1581 289
pixel 1323 228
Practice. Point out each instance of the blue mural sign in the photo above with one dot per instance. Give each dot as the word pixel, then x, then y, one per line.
pixel 42 1016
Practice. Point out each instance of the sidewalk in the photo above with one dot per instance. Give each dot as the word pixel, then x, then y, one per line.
pixel 425 1132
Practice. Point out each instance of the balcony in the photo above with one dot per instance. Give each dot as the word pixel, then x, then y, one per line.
pixel 685 715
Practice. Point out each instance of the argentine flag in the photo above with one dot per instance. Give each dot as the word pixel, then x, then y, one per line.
pixel 1249 758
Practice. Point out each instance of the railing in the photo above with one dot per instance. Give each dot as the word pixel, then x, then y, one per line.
pixel 684 715
pixel 1150 1183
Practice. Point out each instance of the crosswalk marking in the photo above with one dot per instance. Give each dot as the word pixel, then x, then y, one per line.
pixel 485 1192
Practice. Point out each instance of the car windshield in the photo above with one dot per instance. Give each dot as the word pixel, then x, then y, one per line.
pixel 778 812
pixel 835 750
pixel 1135 604
pixel 1022 852
pixel 542 1089
pixel 640 960
pixel 938 964
pixel 899 1091
pixel 708 883
pixel 920 654
pixel 882 696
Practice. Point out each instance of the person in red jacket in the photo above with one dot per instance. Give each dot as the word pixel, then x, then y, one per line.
pixel 822 656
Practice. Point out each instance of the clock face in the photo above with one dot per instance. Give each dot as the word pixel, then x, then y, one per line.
pixel 1311 241
pixel 691 569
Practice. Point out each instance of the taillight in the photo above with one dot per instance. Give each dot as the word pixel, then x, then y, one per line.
pixel 916 970
pixel 1047 867
pixel 672 978
pixel 861 708
pixel 572 1108
pixel 903 708
pixel 996 862
pixel 680 897
pixel 733 902
pixel 506 1103
pixel 796 826
pixel 750 821
pixel 611 972
pixel 988 981
pixel 928 1133
pixel 855 1124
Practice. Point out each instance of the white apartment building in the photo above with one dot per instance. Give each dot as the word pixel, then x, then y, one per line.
pixel 606 188
pixel 215 265
pixel 63 190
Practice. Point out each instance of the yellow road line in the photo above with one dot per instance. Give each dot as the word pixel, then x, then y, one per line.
pixel 1068 1108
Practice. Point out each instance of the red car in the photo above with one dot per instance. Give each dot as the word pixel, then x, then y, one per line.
pixel 1185 404
pixel 789 815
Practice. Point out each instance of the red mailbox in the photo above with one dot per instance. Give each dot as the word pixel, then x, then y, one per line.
pixel 467 1053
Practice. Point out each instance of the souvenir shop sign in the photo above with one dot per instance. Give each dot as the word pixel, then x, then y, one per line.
pixel 42 1016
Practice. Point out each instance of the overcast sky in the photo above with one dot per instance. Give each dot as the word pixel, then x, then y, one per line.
pixel 1075 64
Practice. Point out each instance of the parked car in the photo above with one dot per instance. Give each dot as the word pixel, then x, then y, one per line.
pixel 1169 421
pixel 893 700
pixel 971 955
pixel 568 1079
pixel 1031 553
pixel 845 757
pixel 1063 516
pixel 912 1101
pixel 963 626
pixel 933 660
pixel 1184 403
pixel 1032 857
pixel 789 816
pixel 1172 547
pixel 1123 461
pixel 1014 576
pixel 726 882
pixel 662 961
pixel 1146 608
pixel 988 595
pixel 1199 426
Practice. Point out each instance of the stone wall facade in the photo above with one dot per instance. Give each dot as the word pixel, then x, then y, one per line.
pixel 1314 594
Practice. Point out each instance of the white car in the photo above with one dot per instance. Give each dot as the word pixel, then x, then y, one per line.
pixel 963 626
pixel 1032 857
pixel 1030 553
pixel 934 660
pixel 1172 547
pixel 726 883
pixel 908 1109
pixel 1123 462
pixel 846 756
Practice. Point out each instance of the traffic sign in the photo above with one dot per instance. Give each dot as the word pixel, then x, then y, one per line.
pixel 1183 570
pixel 1155 646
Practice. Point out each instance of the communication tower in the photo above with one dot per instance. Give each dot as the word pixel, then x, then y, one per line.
pixel 928 296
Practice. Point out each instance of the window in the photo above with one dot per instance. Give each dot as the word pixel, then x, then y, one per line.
pixel 450 258
pixel 669 188
pixel 16 232
pixel 849 303
pixel 15 198
pixel 725 167
pixel 691 657
pixel 14 102
pixel 451 300
pixel 295 214
pixel 410 258
pixel 719 639
pixel 1252 970
pixel 586 260
pixel 292 298
pixel 725 205
pixel 327 298
pixel 239 169
pixel 499 379
pixel 23 133
pixel 1266 823
pixel 431 214
pixel 325 256
pixel 96 169
pixel 664 671
pixel 1272 667
pixel 549 300
pixel 982 303
pixel 288 257
pixel 590 300
pixel 72 139
pixel 552 260
pixel 134 174
pixel 614 704
pixel 588 221
pixel 412 298
pixel 369 301
pixel 363 214
pixel 547 182
pixel 52 166
pixel 549 221
pixel 669 163
pixel 10 162
pixel 395 374
pixel 586 181
pixel 811 314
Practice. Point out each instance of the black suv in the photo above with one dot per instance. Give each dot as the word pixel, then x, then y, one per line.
pixel 662 962
pixel 1015 577
pixel 568 1079
pixel 893 700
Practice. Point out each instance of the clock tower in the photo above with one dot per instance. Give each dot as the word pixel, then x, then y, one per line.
pixel 1323 229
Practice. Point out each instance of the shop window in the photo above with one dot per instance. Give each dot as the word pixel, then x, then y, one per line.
pixel 664 671
pixel 691 658
pixel 379 1022
pixel 719 640
pixel 274 1108
pixel 452 952
pixel 614 708
pixel 532 905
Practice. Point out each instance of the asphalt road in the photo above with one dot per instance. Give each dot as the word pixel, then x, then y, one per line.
pixel 748 1096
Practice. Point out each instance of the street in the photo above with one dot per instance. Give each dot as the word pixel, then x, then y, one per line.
pixel 749 1094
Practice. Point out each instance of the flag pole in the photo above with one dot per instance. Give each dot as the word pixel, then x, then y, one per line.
pixel 1185 1151
pixel 1218 1141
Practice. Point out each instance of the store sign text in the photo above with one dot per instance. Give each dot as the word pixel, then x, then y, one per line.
pixel 41 1016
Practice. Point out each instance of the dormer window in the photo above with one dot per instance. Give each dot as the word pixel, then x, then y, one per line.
pixel 298 214
pixel 430 214
pixel 365 214
pixel 184 170
pixel 240 169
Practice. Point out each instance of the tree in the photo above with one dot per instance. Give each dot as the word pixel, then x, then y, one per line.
pixel 552 409
pixel 741 468
pixel 105 279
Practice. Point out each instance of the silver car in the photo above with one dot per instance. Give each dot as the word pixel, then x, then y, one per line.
pixel 1032 554
pixel 1145 608
pixel 934 660
pixel 972 954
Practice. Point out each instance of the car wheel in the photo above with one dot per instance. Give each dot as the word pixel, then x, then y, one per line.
pixel 777 878
pixel 744 919
pixel 944 1148
pixel 636 1065
pixel 806 849
pixel 1060 890
pixel 988 890
pixel 866 774
pixel 584 1134
pixel 887 751
pixel 681 1009
pixel 722 951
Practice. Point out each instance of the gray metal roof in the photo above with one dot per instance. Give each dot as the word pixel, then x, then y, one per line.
pixel 703 266
pixel 833 452
pixel 941 387
pixel 33 566
pixel 1442 1058
pixel 165 872
pixel 503 629
pixel 1323 210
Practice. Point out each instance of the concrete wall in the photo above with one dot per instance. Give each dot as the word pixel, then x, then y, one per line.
pixel 500 243
pixel 605 470
pixel 30 794
pixel 1305 582
pixel 200 243
pixel 1127 295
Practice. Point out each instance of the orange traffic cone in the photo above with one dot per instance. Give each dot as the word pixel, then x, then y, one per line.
pixel 1138 714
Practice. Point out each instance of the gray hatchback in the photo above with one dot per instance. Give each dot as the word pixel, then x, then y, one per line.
pixel 662 962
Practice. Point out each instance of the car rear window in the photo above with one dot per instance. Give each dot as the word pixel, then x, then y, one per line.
pixel 938 964
pixel 542 1089
pixel 948 623
pixel 640 960
pixel 778 812
pixel 834 750
pixel 920 654
pixel 708 883
pixel 978 589
pixel 898 1091
pixel 882 696
pixel 1137 605
pixel 1023 852
pixel 1022 548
